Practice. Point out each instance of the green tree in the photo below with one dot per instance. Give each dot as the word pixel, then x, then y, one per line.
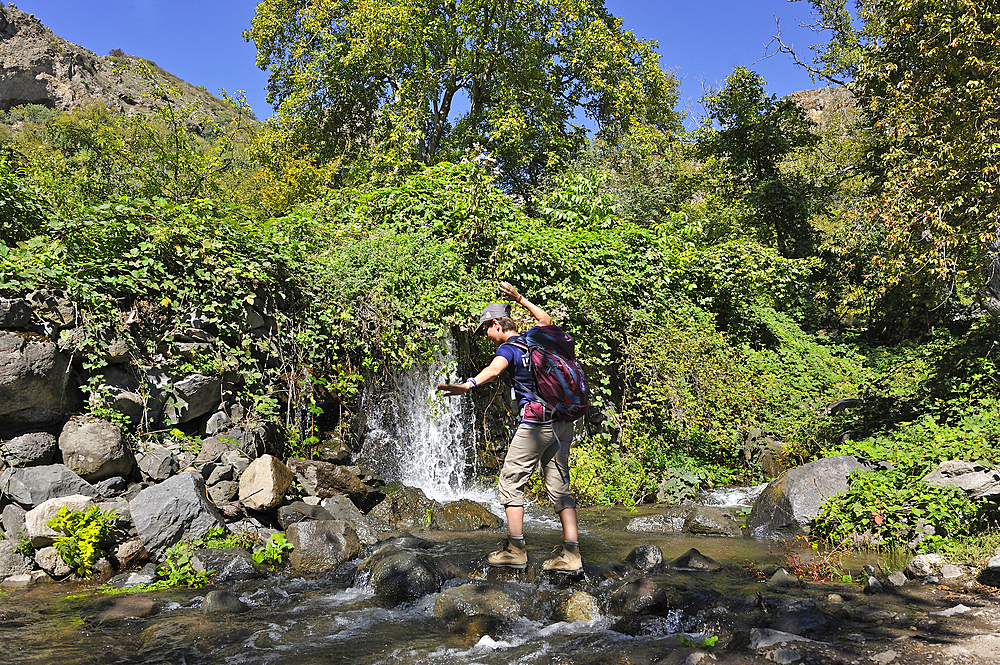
pixel 388 78
pixel 750 134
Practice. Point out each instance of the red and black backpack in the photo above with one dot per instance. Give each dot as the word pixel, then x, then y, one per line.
pixel 562 387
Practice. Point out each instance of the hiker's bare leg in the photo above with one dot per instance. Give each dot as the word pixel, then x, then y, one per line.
pixel 515 520
pixel 568 518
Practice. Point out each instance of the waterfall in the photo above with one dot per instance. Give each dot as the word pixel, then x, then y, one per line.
pixel 418 438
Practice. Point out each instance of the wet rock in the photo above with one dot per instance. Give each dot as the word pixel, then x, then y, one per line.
pixel 369 530
pixel 976 480
pixel 708 521
pixel 13 519
pixel 474 599
pixel 695 560
pixel 788 504
pixel 22 580
pixel 34 485
pixel 464 515
pixel 803 618
pixel 872 586
pixel 474 628
pixel 33 379
pixel 95 449
pixel 923 565
pixel 405 508
pixel 230 565
pixel 48 559
pixel 173 510
pixel 130 553
pixel 220 601
pixel 299 511
pixel 334 452
pixel 897 579
pixel 645 557
pixel 671 521
pixel 159 463
pixel 325 480
pixel 400 577
pixel 35 449
pixel 263 484
pixel 580 606
pixel 13 562
pixel 125 607
pixel 765 638
pixel 35 520
pixel 193 396
pixel 783 656
pixel 635 597
pixel 322 545
pixel 782 579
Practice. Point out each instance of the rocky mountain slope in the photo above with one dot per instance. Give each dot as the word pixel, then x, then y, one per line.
pixel 39 67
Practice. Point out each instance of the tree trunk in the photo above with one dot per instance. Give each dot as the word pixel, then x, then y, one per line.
pixel 989 295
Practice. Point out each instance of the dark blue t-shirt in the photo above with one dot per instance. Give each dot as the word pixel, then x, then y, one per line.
pixel 518 371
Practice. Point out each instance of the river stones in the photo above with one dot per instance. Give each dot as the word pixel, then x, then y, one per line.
pixel 13 562
pixel 709 521
pixel 399 577
pixel 159 463
pixel 464 515
pixel 95 449
pixel 34 485
pixel 298 511
pixel 36 519
pixel 580 606
pixel 322 545
pixel 474 599
pixel 788 504
pixel 229 565
pixel 695 560
pixel 645 557
pixel 325 480
pixel 636 596
pixel 409 508
pixel 176 509
pixel 341 508
pixel 220 601
pixel 923 565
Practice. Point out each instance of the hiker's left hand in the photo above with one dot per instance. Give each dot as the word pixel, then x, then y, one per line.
pixel 508 290
pixel 453 389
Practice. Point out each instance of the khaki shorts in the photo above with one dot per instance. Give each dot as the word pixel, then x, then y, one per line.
pixel 537 445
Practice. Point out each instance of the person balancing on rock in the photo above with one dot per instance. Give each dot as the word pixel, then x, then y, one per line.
pixel 549 388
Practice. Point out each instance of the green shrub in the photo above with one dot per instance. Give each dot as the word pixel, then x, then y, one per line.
pixel 85 534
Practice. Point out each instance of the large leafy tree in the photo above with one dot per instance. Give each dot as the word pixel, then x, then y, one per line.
pixel 429 80
pixel 926 74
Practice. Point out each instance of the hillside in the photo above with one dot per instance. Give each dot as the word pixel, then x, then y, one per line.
pixel 39 67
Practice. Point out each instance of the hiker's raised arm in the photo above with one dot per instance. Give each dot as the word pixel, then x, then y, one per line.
pixel 487 374
pixel 541 316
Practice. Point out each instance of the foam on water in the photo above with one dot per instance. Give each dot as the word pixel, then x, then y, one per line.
pixel 731 497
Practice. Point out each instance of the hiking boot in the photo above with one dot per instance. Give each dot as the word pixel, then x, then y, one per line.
pixel 567 562
pixel 511 555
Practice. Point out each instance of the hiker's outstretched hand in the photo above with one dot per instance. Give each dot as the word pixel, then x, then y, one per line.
pixel 454 389
pixel 508 290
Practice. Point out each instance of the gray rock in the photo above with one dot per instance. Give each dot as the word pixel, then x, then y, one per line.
pixel 33 379
pixel 645 557
pixel 322 545
pixel 788 504
pixel 25 580
pixel 131 553
pixel 783 656
pixel 670 521
pixel 950 571
pixel 803 617
pixel 224 492
pixel 406 508
pixel 123 522
pixel 54 307
pixel 885 657
pixel 176 509
pixel 220 601
pixel 111 486
pixel 976 480
pixel 369 529
pixel 872 586
pixel 95 449
pixel 694 560
pixel 36 519
pixel 36 449
pixel 237 460
pixel 216 423
pixel 212 450
pixel 923 565
pixel 636 596
pixel 11 561
pixel 263 484
pixel 230 565
pixel 34 485
pixel 782 579
pixel 299 511
pixel 399 577
pixel 48 559
pixel 580 606
pixel 324 480
pixel 220 473
pixel 464 515
pixel 13 519
pixel 146 575
pixel 764 638
pixel 15 313
pixel 897 579
pixel 333 451
pixel 709 521
pixel 159 463
pixel 475 599
pixel 193 396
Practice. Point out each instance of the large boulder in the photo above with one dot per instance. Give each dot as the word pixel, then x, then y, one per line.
pixel 176 509
pixel 399 577
pixel 464 515
pixel 36 519
pixel 475 599
pixel 298 511
pixel 34 485
pixel 709 521
pixel 159 463
pixel 13 562
pixel 325 480
pixel 322 545
pixel 33 379
pixel 95 449
pixel 35 449
pixel 789 503
pixel 15 313
pixel 976 480
pixel 263 484
pixel 636 596
pixel 406 508
pixel 193 396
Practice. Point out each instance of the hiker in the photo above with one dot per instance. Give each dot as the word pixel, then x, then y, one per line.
pixel 538 439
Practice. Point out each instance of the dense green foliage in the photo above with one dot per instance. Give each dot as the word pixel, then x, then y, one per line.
pixel 85 534
pixel 740 278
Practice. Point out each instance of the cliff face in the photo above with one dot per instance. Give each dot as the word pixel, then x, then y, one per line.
pixel 825 106
pixel 39 67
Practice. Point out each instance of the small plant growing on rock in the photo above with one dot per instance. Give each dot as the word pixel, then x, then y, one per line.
pixel 85 533
pixel 273 552
pixel 178 570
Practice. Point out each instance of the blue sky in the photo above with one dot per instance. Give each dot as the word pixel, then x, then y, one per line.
pixel 202 42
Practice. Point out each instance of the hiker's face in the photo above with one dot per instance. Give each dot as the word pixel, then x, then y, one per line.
pixel 495 333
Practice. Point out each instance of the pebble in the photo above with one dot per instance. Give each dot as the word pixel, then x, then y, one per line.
pixel 873 586
pixel 223 602
pixel 782 578
pixel 951 571
pixel 885 657
pixel 783 656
